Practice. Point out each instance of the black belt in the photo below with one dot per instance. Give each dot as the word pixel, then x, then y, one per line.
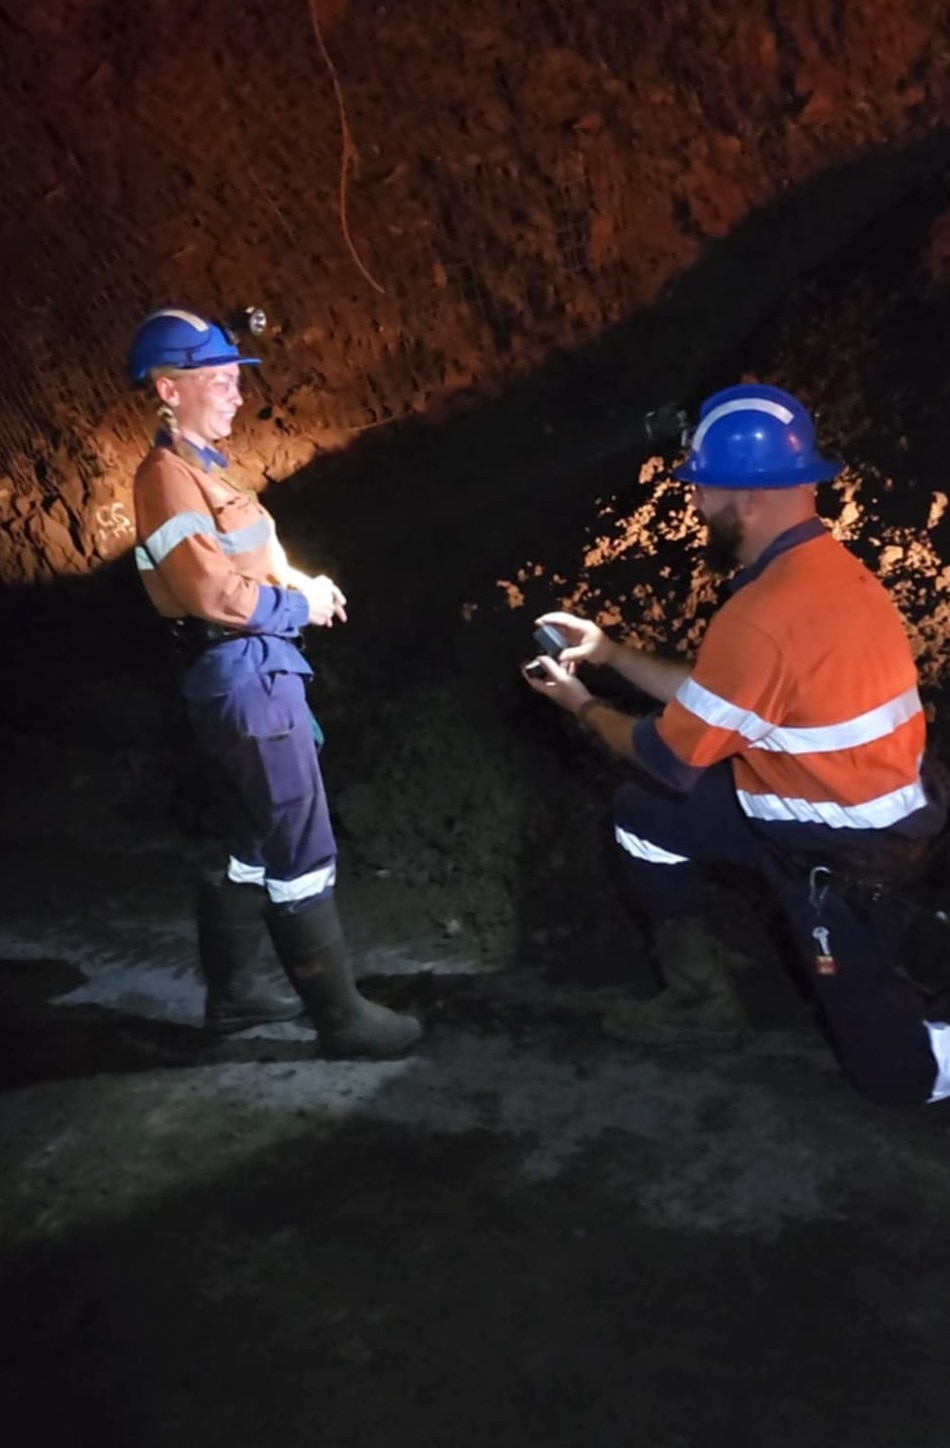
pixel 192 636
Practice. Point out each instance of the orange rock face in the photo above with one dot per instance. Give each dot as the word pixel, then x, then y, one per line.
pixel 427 201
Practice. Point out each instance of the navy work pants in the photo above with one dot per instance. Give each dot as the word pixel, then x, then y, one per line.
pixel 260 735
pixel 872 1014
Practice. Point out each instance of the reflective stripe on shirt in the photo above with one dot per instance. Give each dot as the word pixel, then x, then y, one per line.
pixel 175 531
pixel 191 525
pixel 243 540
pixel 719 712
pixel 822 739
pixel 873 814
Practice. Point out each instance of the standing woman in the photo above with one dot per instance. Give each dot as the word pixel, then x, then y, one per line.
pixel 211 563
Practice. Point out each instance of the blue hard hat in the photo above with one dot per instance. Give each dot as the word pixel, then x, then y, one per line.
pixel 754 436
pixel 173 337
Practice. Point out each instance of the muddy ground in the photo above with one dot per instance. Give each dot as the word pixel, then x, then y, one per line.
pixel 526 1232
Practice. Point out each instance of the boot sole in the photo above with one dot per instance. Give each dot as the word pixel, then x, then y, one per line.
pixel 366 1053
pixel 230 1026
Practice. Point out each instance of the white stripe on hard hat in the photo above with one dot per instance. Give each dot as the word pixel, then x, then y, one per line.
pixel 740 404
pixel 199 324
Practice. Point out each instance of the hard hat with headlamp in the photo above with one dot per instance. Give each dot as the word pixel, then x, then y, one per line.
pixel 754 436
pixel 182 340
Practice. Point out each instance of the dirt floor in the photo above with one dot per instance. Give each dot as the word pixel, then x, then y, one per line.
pixel 526 1232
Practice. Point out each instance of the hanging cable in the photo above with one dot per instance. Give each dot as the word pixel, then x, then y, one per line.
pixel 348 150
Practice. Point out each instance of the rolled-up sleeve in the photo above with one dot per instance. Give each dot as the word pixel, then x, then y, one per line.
pixel 656 757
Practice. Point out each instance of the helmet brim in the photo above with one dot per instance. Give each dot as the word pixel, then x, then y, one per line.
pixel 222 362
pixel 820 470
pixel 141 379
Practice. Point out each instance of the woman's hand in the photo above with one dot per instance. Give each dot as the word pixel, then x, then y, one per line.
pixel 325 600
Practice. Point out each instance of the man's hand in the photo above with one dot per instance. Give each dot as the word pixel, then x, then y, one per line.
pixel 611 727
pixel 560 686
pixel 325 600
pixel 585 641
pixel 660 678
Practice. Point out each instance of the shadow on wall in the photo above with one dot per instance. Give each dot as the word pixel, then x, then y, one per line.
pixel 439 510
pixel 429 511
pixel 81 635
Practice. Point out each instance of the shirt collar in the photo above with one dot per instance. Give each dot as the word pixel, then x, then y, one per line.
pixel 791 538
pixel 208 457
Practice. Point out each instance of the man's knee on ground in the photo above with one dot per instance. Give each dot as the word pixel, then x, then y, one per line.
pixel 899 1083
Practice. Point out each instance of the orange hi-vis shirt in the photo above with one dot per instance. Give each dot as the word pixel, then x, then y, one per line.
pixel 806 682
pixel 205 547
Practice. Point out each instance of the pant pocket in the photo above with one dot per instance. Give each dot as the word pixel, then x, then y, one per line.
pixel 275 711
pixel 280 740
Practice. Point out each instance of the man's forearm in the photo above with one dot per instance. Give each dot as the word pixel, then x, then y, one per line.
pixel 609 725
pixel 660 678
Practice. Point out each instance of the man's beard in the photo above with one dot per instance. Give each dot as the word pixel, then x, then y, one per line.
pixel 723 537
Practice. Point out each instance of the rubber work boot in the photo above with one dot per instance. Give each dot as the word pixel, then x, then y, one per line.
pixel 699 1007
pixel 309 941
pixel 231 941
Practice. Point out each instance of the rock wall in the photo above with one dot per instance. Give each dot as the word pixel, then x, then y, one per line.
pixel 426 199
